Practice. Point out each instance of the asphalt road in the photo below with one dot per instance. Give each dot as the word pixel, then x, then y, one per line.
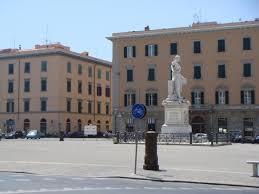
pixel 17 183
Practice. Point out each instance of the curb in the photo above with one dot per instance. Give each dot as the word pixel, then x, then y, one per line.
pixel 182 181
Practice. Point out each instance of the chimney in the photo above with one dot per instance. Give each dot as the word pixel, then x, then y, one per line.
pixel 147 28
pixel 84 53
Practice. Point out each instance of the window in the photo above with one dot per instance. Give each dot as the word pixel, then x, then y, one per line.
pixel 129 75
pixel 107 91
pixel 90 71
pixel 222 123
pixel 79 87
pixel 44 66
pixel 27 85
pixel 79 69
pixel 99 72
pixel 151 50
pixel 129 99
pixel 89 88
pixel 107 126
pixel 151 124
pixel 27 67
pixel 151 74
pixel 221 45
pixel 10 69
pixel 221 97
pixel 173 48
pixel 68 85
pixel 10 86
pixel 247 70
pixel 69 105
pixel 26 124
pixel 107 76
pixel 197 97
pixel 197 72
pixel 43 84
pixel 197 47
pixel 10 105
pixel 43 105
pixel 129 51
pixel 89 107
pixel 68 125
pixel 99 90
pixel 26 105
pixel 107 108
pixel 221 71
pixel 248 126
pixel 247 43
pixel 79 106
pixel 248 96
pixel 68 67
pixel 151 99
pixel 99 107
pixel 43 126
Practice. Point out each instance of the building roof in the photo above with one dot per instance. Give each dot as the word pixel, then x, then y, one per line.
pixel 51 49
pixel 195 27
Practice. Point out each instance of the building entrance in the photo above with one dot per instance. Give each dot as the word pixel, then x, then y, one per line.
pixel 198 125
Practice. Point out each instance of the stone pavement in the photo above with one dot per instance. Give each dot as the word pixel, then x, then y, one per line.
pixel 102 158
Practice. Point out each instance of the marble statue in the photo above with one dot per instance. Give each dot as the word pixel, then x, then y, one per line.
pixel 177 79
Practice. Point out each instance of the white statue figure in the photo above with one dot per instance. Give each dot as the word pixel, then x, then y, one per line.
pixel 177 78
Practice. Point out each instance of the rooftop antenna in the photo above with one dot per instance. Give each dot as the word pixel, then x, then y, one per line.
pixel 200 16
pixel 46 40
pixel 14 43
pixel 196 18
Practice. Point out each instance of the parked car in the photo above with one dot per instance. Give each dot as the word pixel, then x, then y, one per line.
pixel 237 139
pixel 200 137
pixel 76 134
pixel 14 135
pixel 256 139
pixel 33 134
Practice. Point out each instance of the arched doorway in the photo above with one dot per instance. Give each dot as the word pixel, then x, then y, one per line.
pixel 98 126
pixel 43 126
pixel 68 126
pixel 26 125
pixel 89 122
pixel 79 125
pixel 107 126
pixel 198 125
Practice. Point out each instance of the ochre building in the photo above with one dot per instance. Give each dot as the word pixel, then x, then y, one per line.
pixel 51 88
pixel 220 61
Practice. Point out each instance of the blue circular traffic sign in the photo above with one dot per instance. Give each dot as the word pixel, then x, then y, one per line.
pixel 138 111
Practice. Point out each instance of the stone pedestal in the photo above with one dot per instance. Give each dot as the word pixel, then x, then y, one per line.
pixel 176 116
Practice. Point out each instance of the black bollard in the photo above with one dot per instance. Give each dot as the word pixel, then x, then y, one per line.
pixel 61 136
pixel 151 159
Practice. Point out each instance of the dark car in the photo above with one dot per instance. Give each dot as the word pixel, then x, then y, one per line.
pixel 237 139
pixel 76 134
pixel 14 135
pixel 256 139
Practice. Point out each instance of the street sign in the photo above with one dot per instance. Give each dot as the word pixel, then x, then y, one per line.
pixel 138 111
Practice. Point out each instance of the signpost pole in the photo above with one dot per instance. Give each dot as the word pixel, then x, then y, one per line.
pixel 136 151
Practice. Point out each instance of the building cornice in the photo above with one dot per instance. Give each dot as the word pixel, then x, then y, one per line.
pixel 183 30
pixel 51 52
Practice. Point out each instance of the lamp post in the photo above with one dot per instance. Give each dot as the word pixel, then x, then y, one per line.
pixel 211 122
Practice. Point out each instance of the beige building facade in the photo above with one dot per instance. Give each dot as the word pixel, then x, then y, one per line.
pixel 220 62
pixel 51 88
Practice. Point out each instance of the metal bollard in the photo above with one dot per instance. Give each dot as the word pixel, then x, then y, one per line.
pixel 151 159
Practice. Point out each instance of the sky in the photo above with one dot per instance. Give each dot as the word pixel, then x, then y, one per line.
pixel 83 25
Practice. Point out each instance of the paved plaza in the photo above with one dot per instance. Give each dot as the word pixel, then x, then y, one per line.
pixel 102 158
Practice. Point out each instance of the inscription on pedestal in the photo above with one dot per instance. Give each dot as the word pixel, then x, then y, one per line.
pixel 174 117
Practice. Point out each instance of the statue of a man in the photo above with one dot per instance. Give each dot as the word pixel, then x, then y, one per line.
pixel 177 78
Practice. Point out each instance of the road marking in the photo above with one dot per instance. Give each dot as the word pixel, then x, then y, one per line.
pixel 78 178
pixel 168 188
pixel 16 175
pixel 49 179
pixel 151 188
pixel 43 190
pixel 22 180
pixel 2 180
